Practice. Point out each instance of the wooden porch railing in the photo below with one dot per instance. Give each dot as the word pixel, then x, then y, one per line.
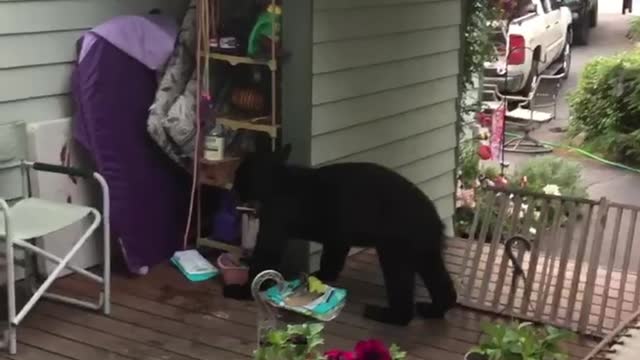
pixel 578 257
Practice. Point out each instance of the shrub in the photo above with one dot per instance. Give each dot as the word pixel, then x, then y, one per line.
pixel 468 163
pixel 544 174
pixel 606 107
pixel 522 341
pixel 634 31
pixel 550 170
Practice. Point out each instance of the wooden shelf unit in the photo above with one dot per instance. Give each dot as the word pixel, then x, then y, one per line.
pixel 249 124
pixel 234 60
pixel 220 173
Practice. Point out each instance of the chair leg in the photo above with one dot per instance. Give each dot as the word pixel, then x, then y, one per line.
pixel 525 143
pixel 106 268
pixel 11 298
pixel 106 228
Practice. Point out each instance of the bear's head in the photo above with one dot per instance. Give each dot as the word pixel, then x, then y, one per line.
pixel 257 175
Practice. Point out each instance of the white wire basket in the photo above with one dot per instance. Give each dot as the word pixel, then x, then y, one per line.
pixel 272 316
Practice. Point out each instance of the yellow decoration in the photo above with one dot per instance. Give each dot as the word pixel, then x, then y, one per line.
pixel 275 9
pixel 316 286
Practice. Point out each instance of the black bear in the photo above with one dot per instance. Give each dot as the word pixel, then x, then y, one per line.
pixel 345 205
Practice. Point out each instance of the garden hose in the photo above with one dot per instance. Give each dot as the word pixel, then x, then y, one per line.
pixel 587 154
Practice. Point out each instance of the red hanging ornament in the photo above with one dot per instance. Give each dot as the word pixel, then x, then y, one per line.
pixel 484 118
pixel 484 151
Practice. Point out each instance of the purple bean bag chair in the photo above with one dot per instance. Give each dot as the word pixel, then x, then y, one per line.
pixel 113 85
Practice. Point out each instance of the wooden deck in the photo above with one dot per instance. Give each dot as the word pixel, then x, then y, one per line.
pixel 163 316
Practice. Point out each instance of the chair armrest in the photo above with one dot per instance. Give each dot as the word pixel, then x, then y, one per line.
pixel 4 206
pixel 58 169
pixel 4 213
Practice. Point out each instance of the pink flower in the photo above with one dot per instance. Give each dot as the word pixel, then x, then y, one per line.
pixel 339 355
pixel 466 198
pixel 372 350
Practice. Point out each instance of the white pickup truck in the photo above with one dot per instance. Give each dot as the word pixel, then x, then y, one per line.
pixel 537 40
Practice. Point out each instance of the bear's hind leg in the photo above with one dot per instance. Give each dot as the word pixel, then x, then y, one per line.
pixel 436 278
pixel 399 282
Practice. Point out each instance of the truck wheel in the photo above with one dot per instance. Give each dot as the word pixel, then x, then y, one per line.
pixel 565 58
pixel 594 16
pixel 581 31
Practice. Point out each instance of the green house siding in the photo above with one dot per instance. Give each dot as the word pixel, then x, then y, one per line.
pixel 385 86
pixel 384 89
pixel 37 49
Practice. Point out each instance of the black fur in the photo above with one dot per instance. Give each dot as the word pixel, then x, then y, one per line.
pixel 345 205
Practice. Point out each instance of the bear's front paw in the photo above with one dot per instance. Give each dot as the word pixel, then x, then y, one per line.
pixel 237 292
pixel 326 276
pixel 387 315
pixel 429 311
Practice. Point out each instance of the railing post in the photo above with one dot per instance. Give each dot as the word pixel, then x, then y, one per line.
pixel 594 259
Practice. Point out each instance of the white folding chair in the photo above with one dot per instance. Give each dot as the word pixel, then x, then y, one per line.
pixel 32 218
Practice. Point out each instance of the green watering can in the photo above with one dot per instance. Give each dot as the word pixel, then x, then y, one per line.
pixel 265 28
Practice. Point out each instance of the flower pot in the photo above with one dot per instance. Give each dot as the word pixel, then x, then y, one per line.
pixel 233 272
pixel 474 356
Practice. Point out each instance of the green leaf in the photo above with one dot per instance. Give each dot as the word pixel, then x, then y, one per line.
pixel 396 353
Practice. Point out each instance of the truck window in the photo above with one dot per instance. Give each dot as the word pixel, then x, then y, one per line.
pixel 546 6
pixel 523 8
pixel 554 4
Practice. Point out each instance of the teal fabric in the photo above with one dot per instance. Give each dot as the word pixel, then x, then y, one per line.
pixel 194 277
pixel 334 300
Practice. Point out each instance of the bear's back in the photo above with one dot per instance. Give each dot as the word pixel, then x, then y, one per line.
pixel 363 201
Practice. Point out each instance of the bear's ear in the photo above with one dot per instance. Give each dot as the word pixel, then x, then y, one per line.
pixel 284 153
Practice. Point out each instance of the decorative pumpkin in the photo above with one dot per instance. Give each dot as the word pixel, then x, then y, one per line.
pixel 249 100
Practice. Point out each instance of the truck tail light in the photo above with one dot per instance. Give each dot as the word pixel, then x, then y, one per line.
pixel 517 50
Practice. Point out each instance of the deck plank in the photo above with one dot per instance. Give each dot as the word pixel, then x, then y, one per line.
pixel 118 326
pixel 61 346
pixel 33 353
pixel 121 344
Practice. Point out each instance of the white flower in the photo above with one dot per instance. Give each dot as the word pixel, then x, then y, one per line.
pixel 523 210
pixel 536 215
pixel 533 231
pixel 552 189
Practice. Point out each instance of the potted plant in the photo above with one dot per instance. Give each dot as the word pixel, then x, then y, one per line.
pixel 295 342
pixel 520 341
pixel 302 342
pixel 367 350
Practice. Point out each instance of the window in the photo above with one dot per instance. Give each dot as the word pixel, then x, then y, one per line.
pixel 554 4
pixel 523 8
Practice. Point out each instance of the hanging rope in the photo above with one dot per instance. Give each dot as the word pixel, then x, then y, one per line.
pixel 202 48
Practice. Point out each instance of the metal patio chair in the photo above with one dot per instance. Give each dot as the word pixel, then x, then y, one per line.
pixel 533 111
pixel 29 219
